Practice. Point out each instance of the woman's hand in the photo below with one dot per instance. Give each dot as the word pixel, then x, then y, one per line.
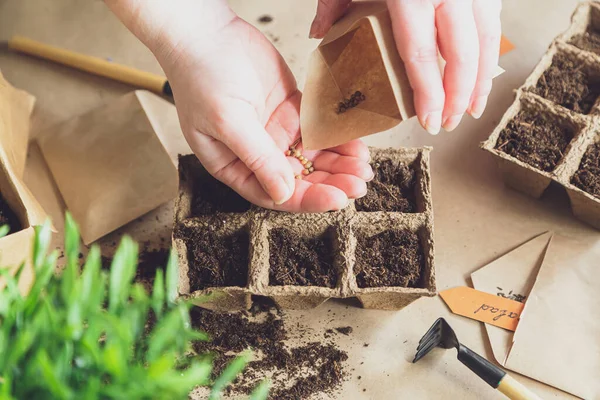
pixel 466 33
pixel 238 106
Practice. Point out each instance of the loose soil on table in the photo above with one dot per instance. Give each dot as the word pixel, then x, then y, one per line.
pixel 344 330
pixel 301 261
pixel 589 41
pixel 304 372
pixel 536 139
pixel 8 217
pixel 567 84
pixel 215 260
pixel 392 189
pixel 587 177
pixel 390 258
pixel 211 196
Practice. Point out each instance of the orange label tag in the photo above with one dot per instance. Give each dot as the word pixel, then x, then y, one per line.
pixel 505 45
pixel 484 307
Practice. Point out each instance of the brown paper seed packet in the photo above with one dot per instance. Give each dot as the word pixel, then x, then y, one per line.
pixel 358 55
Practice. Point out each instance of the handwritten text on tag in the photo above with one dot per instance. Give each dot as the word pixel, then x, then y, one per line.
pixel 484 307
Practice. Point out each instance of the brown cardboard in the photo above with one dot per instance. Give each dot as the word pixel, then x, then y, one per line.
pixel 16 107
pixel 113 164
pixel 15 110
pixel 341 228
pixel 530 180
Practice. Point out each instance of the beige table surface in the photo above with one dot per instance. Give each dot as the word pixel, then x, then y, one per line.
pixel 476 217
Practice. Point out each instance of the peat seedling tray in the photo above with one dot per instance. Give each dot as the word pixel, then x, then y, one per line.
pixel 552 130
pixel 379 249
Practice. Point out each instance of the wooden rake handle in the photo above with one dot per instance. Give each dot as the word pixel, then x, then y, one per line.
pixel 494 376
pixel 93 65
pixel 514 390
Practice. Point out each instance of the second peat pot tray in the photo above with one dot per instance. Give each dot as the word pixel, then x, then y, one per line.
pixel 379 249
pixel 552 130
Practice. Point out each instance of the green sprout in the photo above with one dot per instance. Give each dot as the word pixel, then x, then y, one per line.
pixel 87 333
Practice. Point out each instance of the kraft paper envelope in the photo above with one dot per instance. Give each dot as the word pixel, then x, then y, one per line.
pixel 514 273
pixel 358 54
pixel 16 248
pixel 557 341
pixel 117 162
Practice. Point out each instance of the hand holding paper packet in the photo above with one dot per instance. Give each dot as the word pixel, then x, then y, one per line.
pixel 359 53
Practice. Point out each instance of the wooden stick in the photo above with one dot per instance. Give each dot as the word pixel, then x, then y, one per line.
pixel 514 390
pixel 93 65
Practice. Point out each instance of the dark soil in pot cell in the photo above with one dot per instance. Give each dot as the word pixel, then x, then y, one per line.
pixel 215 260
pixel 390 258
pixel 568 84
pixel 301 261
pixel 589 41
pixel 8 217
pixel 392 189
pixel 535 138
pixel 210 197
pixel 587 177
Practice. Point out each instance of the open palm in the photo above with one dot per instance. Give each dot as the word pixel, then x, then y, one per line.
pixel 238 105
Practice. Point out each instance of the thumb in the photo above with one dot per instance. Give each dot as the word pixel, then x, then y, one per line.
pixel 328 11
pixel 249 140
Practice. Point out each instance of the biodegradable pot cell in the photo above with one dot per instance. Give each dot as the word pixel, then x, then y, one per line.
pixel 300 260
pixel 545 133
pixel 115 163
pixel 584 30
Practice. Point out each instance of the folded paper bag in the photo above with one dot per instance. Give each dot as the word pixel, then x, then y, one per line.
pixel 16 248
pixel 513 276
pixel 15 110
pixel 115 163
pixel 557 339
pixel 359 53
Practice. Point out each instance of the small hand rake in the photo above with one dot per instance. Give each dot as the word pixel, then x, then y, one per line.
pixel 441 335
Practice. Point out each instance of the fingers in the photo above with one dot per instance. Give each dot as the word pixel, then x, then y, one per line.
pixel 355 148
pixel 487 20
pixel 322 194
pixel 337 164
pixel 247 138
pixel 312 198
pixel 351 185
pixel 321 198
pixel 328 11
pixel 413 23
pixel 459 45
